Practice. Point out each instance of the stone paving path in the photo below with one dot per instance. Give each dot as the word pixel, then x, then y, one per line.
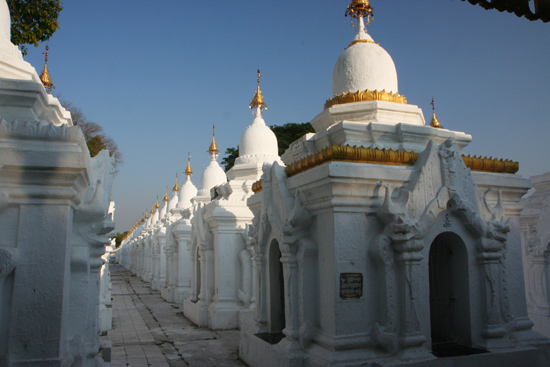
pixel 148 331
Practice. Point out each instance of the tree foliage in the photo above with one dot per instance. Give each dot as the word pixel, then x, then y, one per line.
pixel 119 237
pixel 230 155
pixel 290 132
pixel 286 134
pixel 95 137
pixel 33 21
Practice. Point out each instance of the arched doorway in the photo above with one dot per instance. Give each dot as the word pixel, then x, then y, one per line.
pixel 197 274
pixel 449 295
pixel 275 295
pixel 546 274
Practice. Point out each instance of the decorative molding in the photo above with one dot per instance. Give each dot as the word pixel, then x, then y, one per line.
pixel 491 164
pixel 361 154
pixel 351 154
pixel 39 130
pixel 366 95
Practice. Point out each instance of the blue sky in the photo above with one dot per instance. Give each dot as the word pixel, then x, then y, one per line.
pixel 157 74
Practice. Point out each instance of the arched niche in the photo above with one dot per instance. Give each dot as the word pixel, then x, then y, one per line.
pixel 449 289
pixel 6 294
pixel 276 301
pixel 197 275
pixel 546 273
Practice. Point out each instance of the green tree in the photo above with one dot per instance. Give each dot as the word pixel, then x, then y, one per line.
pixel 289 133
pixel 229 160
pixel 119 237
pixel 33 21
pixel 96 140
pixel 286 134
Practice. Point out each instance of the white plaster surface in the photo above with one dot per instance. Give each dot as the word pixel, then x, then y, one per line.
pixel 363 66
pixel 535 235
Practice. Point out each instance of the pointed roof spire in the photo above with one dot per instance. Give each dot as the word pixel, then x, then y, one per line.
pixel 45 77
pixel 258 104
pixel 176 188
pixel 435 122
pixel 157 204
pixel 166 198
pixel 188 170
pixel 213 150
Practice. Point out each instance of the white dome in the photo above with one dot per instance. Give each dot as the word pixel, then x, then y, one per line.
pixel 187 192
pixel 212 176
pixel 364 65
pixel 172 203
pixel 163 211
pixel 257 141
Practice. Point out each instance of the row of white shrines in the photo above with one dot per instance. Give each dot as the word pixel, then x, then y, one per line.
pixel 376 242
pixel 373 241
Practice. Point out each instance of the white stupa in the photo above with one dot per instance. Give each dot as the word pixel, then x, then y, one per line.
pixel 213 174
pixel 172 204
pixel 36 104
pixel 380 243
pixel 188 191
pixel 258 143
pixel 365 92
pixel 364 65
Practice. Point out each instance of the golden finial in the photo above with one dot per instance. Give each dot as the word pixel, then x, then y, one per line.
pixel 360 9
pixel 213 150
pixel 435 122
pixel 146 215
pixel 176 188
pixel 157 204
pixel 166 198
pixel 188 170
pixel 258 99
pixel 45 77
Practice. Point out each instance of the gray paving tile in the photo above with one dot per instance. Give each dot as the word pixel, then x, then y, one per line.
pixel 147 331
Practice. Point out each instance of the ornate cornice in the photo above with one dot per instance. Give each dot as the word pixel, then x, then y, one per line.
pixel 366 95
pixel 40 130
pixel 361 154
pixel 491 164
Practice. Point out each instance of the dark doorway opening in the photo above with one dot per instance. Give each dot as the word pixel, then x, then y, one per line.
pixel 276 296
pixel 450 297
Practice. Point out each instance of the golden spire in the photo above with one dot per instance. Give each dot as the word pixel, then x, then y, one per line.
pixel 360 9
pixel 166 198
pixel 157 204
pixel 435 122
pixel 147 215
pixel 213 150
pixel 176 188
pixel 153 209
pixel 188 170
pixel 45 77
pixel 258 99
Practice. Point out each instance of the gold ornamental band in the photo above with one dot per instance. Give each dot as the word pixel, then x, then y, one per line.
pixel 366 95
pixel 346 153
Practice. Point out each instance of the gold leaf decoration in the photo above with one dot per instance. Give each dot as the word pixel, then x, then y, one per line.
pixel 366 95
pixel 361 154
pixel 257 186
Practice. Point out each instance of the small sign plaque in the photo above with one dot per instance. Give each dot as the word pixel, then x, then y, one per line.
pixel 351 285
